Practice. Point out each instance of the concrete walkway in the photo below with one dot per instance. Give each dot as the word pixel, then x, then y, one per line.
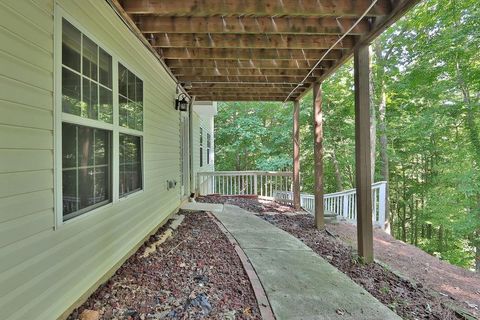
pixel 298 282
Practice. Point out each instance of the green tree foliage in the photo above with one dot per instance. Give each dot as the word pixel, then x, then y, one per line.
pixel 426 74
pixel 253 136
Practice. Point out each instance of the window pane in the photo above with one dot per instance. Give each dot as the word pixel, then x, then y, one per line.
pixel 130 107
pixel 130 99
pixel 130 164
pixel 123 114
pixel 105 108
pixel 70 92
pixel 87 179
pixel 85 146
pixel 101 147
pixel 69 146
pixel 69 189
pixel 105 61
pixel 85 187
pixel 102 187
pixel 131 86
pixel 139 91
pixel 90 58
pixel 122 80
pixel 138 117
pixel 70 46
pixel 90 99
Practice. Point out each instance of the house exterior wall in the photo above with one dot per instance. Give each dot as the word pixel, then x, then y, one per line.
pixel 204 120
pixel 43 270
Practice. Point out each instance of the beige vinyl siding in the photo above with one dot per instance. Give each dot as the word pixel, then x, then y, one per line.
pixel 44 271
pixel 207 124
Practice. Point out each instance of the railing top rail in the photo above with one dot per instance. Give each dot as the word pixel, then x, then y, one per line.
pixel 226 173
pixel 351 191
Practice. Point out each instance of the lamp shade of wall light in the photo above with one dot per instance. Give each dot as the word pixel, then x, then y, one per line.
pixel 181 103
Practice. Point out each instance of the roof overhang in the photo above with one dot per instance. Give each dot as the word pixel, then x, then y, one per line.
pixel 233 50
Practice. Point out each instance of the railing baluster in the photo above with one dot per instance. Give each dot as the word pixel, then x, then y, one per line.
pixel 279 184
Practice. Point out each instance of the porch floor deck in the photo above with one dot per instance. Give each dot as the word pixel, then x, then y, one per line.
pixel 299 284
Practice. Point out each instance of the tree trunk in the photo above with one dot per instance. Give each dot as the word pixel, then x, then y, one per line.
pixel 475 141
pixel 336 168
pixel 440 239
pixel 429 231
pixel 415 239
pixel 477 255
pixel 404 205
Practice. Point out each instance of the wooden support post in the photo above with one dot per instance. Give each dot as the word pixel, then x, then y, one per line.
pixel 296 155
pixel 362 154
pixel 318 154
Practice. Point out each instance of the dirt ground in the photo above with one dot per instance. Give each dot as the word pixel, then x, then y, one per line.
pixel 449 280
pixel 409 299
pixel 196 274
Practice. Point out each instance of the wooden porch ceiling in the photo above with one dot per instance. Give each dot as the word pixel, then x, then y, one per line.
pixel 256 49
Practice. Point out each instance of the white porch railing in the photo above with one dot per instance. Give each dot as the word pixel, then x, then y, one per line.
pixel 343 203
pixel 261 183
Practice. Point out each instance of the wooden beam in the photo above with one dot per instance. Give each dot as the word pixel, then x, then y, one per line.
pixel 296 154
pixel 243 41
pixel 316 8
pixel 261 79
pixel 239 98
pixel 254 25
pixel 252 93
pixel 245 64
pixel 246 54
pixel 248 86
pixel 251 89
pixel 362 154
pixel 318 154
pixel 194 72
pixel 279 95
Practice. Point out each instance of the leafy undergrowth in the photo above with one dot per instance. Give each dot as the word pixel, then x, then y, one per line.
pixel 194 275
pixel 408 300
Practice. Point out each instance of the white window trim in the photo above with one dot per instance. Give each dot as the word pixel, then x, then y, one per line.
pixel 115 128
pixel 201 135
pixel 209 148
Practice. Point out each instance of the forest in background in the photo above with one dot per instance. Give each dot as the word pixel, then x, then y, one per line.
pixel 425 129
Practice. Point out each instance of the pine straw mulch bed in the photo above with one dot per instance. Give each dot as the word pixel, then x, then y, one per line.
pixel 408 300
pixel 196 274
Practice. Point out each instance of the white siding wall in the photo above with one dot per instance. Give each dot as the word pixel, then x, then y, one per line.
pixel 205 122
pixel 44 271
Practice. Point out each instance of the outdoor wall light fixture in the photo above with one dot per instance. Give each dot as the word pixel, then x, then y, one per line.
pixel 181 103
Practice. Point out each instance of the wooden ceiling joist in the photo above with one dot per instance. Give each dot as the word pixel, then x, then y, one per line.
pixel 249 50
pixel 250 25
pixel 239 98
pixel 244 41
pixel 243 94
pixel 264 91
pixel 248 86
pixel 295 64
pixel 233 92
pixel 253 79
pixel 308 8
pixel 246 54
pixel 195 72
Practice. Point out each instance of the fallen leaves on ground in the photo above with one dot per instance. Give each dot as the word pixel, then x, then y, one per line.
pixel 196 274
